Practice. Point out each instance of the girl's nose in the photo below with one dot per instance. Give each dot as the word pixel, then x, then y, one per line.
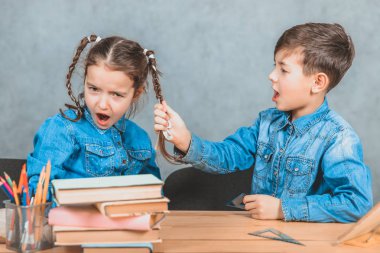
pixel 103 102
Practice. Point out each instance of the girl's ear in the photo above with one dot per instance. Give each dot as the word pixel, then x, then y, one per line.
pixel 321 83
pixel 138 92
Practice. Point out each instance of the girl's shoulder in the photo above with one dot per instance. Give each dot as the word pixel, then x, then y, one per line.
pixel 56 119
pixel 135 136
pixel 60 122
pixel 131 128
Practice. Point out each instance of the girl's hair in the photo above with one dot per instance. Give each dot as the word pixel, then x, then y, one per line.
pixel 118 54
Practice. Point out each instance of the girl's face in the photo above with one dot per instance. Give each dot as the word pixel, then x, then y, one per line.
pixel 292 89
pixel 108 94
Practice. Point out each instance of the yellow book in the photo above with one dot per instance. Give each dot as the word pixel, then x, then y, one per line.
pixel 133 207
pixel 118 248
pixel 81 235
pixel 103 189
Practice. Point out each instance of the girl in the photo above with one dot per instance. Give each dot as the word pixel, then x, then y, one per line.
pixel 94 137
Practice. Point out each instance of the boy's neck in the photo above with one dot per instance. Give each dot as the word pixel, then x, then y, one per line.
pixel 309 109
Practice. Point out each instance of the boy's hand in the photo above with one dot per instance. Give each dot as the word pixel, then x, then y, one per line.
pixel 181 135
pixel 263 207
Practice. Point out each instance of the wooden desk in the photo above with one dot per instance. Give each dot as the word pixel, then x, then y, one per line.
pixel 222 231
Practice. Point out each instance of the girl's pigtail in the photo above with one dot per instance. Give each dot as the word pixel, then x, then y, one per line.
pixel 77 107
pixel 157 89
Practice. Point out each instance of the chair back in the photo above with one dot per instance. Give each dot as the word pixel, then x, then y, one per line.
pixel 13 168
pixel 193 189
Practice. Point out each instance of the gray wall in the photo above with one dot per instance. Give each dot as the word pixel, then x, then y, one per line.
pixel 216 56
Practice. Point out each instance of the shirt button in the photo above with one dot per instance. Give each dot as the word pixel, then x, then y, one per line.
pixel 281 150
pixel 275 173
pixel 124 161
pixel 266 156
pixel 296 169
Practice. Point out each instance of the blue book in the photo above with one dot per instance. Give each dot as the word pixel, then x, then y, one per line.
pixel 118 248
pixel 102 189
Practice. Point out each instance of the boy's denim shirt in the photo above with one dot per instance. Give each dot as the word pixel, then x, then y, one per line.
pixel 81 149
pixel 313 164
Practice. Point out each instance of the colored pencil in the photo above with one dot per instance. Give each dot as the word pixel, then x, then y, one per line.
pixel 9 180
pixel 38 195
pixel 10 196
pixel 15 194
pixel 46 183
pixel 21 181
pixel 6 185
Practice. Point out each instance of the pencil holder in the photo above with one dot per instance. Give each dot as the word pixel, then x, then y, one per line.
pixel 27 228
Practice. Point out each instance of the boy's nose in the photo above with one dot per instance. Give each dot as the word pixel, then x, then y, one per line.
pixel 272 77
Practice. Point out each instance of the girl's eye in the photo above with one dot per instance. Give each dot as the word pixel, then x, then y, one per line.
pixel 283 70
pixel 91 88
pixel 117 94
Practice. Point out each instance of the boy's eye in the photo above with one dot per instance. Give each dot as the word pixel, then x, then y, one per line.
pixel 92 88
pixel 283 70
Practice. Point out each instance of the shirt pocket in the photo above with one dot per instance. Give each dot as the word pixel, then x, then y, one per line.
pixel 137 160
pixel 299 171
pixel 100 159
pixel 263 160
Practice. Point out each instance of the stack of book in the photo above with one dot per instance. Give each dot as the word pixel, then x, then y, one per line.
pixel 109 214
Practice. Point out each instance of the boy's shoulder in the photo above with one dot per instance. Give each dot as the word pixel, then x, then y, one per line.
pixel 271 112
pixel 339 128
pixel 335 120
pixel 271 115
pixel 332 121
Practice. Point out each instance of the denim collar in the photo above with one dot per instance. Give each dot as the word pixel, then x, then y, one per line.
pixel 120 125
pixel 302 124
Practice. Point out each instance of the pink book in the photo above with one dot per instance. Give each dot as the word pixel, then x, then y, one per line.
pixel 90 217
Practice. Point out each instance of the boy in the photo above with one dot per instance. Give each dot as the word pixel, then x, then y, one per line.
pixel 308 160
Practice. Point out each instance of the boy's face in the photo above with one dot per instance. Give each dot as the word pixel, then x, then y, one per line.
pixel 108 94
pixel 292 89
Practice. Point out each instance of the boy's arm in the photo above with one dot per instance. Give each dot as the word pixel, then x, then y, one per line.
pixel 347 181
pixel 236 152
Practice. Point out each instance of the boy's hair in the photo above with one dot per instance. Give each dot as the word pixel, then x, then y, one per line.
pixel 118 54
pixel 325 48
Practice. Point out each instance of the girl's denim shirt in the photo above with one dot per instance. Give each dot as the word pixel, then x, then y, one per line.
pixel 313 164
pixel 81 149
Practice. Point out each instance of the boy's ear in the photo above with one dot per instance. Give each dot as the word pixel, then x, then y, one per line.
pixel 321 83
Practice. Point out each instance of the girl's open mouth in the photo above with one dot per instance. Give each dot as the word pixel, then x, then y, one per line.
pixel 102 119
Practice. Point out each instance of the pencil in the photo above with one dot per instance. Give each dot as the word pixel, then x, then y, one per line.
pixel 10 195
pixel 37 199
pixel 27 196
pixel 15 194
pixel 17 201
pixel 21 181
pixel 9 180
pixel 47 179
pixel 6 185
